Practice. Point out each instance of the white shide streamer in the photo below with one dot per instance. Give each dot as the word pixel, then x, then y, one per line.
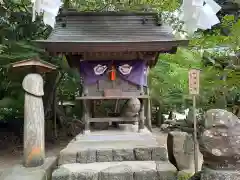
pixel 49 8
pixel 199 14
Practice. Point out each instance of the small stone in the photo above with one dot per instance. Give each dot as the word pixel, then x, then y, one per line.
pixel 123 155
pixel 86 156
pixel 104 155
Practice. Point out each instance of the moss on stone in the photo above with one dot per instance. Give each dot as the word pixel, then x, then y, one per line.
pixel 183 175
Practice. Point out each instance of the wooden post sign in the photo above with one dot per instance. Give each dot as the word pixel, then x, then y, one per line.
pixel 193 78
pixel 194 81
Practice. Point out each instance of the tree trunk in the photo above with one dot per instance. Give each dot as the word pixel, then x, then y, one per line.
pixel 49 88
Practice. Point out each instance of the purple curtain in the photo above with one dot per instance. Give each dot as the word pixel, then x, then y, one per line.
pixel 136 76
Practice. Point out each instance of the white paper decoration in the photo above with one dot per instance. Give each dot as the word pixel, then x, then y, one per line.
pixel 49 8
pixel 125 69
pixel 199 14
pixel 100 69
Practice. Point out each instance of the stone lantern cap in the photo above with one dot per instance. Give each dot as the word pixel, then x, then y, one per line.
pixel 34 64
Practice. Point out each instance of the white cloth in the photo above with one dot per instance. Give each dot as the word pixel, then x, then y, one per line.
pixel 49 8
pixel 197 15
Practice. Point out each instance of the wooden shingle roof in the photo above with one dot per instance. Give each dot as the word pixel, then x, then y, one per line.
pixel 111 31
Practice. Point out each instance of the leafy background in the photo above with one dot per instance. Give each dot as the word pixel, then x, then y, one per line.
pixel 168 80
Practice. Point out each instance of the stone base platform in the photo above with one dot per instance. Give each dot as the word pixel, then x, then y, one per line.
pixel 211 174
pixel 107 146
pixel 18 172
pixel 126 170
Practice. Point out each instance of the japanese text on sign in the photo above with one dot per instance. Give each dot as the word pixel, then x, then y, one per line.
pixel 193 78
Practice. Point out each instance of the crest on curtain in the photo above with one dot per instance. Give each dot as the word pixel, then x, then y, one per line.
pixel 100 69
pixel 125 69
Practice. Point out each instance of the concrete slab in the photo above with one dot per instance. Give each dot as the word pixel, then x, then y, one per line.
pixel 132 170
pixel 114 136
pixel 18 172
pixel 113 139
pixel 112 144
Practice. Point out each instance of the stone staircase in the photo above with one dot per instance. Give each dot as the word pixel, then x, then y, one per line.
pixel 114 155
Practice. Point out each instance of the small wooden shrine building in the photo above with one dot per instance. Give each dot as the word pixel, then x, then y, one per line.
pixel 113 51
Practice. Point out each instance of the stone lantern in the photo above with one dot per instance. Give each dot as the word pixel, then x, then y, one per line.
pixel 34 133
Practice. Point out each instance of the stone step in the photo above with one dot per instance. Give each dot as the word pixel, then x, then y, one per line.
pixel 113 146
pixel 113 136
pixel 125 170
pixel 109 152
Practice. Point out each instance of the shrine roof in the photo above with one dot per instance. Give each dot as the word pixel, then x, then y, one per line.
pixel 109 31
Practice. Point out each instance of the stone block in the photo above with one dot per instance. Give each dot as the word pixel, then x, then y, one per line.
pixel 181 151
pixel 210 174
pixel 49 165
pixel 104 155
pixel 143 154
pixel 119 172
pixel 166 171
pixel 86 156
pixel 146 175
pixel 19 172
pixel 67 156
pixel 145 170
pixel 64 173
pixel 123 155
pixel 61 174
pixel 159 154
pixel 125 170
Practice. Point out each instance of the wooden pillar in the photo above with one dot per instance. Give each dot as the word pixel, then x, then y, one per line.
pixel 86 111
pixel 141 112
pixel 141 117
pixel 34 134
pixel 149 118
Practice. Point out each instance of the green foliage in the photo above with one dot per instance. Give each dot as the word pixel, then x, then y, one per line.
pixel 168 80
pixel 125 5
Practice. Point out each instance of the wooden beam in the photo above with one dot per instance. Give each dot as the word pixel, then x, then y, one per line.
pixel 111 97
pixel 112 119
pixel 66 47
